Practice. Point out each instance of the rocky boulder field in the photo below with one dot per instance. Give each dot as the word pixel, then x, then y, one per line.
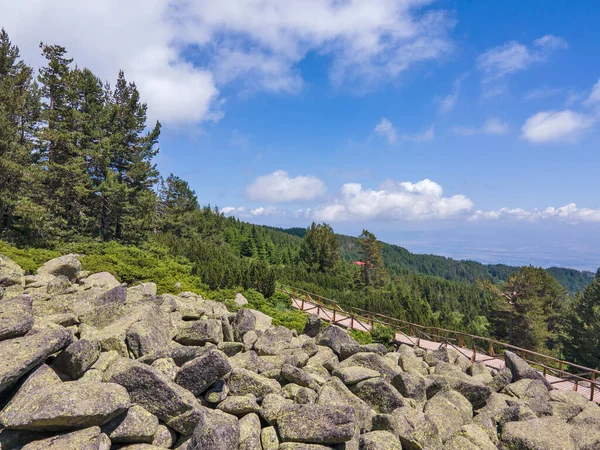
pixel 87 363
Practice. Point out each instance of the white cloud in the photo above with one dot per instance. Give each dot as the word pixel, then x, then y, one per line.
pixel 136 36
pixel 278 187
pixel 425 136
pixel 556 126
pixel 404 201
pixel 261 41
pixel 230 210
pixel 542 92
pixel 512 56
pixel 386 129
pixel 181 52
pixel 569 213
pixel 448 103
pixel 594 97
pixel 491 126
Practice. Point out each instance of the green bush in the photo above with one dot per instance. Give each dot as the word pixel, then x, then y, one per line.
pixel 132 264
pixel 382 334
pixel 28 258
pixel 362 337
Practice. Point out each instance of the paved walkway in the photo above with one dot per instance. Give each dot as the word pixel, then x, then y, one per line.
pixel 497 363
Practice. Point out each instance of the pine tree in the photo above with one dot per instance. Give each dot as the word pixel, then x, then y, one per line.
pixel 176 201
pixel 320 249
pixel 19 113
pixel 581 332
pixel 372 270
pixel 130 156
pixel 67 181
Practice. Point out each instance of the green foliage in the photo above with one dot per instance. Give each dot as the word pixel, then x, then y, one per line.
pixel 529 308
pixel 382 334
pixel 28 258
pixel 362 337
pixel 372 271
pixel 132 264
pixel 320 248
pixel 581 332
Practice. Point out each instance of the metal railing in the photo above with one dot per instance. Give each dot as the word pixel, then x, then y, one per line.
pixel 363 320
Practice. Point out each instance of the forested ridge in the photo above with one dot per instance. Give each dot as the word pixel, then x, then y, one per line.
pixel 77 174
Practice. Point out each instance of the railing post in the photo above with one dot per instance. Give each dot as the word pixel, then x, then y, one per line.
pixel 334 314
pixel 474 357
pixel 592 386
pixel 302 303
pixel 461 341
pixel 351 320
pixel 491 350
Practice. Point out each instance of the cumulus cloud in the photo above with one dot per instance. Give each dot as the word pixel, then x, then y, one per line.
pixel 569 213
pixel 403 201
pixel 279 187
pixel 136 36
pixel 513 56
pixel 556 126
pixel 386 129
pixel 181 52
pixel 491 126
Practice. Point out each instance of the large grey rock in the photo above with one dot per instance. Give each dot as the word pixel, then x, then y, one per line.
pixel 215 431
pixel 379 440
pixel 470 437
pixel 86 439
pixel 77 358
pixel 201 332
pixel 411 385
pixel 273 405
pixel 20 355
pixel 16 316
pixel 200 373
pixel 274 341
pixel 150 333
pixel 10 273
pixel 334 393
pixel 103 280
pixel 67 265
pixel 334 337
pixel 250 432
pixel 134 426
pixel 244 322
pixel 355 374
pixel 372 361
pixel 147 387
pixel 379 394
pixel 64 406
pixel 548 433
pixel 59 285
pixel 313 326
pixel 317 424
pixel 298 376
pixel 240 300
pixel 449 411
pixel 521 370
pixel 413 428
pixel 263 322
pixel 269 439
pixel 242 382
pixel 239 405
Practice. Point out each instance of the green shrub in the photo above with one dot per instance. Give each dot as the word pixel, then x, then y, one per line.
pixel 382 334
pixel 362 337
pixel 28 258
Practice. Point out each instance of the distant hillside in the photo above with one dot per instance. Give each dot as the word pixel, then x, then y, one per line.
pixel 399 260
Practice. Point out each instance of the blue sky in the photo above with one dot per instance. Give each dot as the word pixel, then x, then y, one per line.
pixel 462 128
